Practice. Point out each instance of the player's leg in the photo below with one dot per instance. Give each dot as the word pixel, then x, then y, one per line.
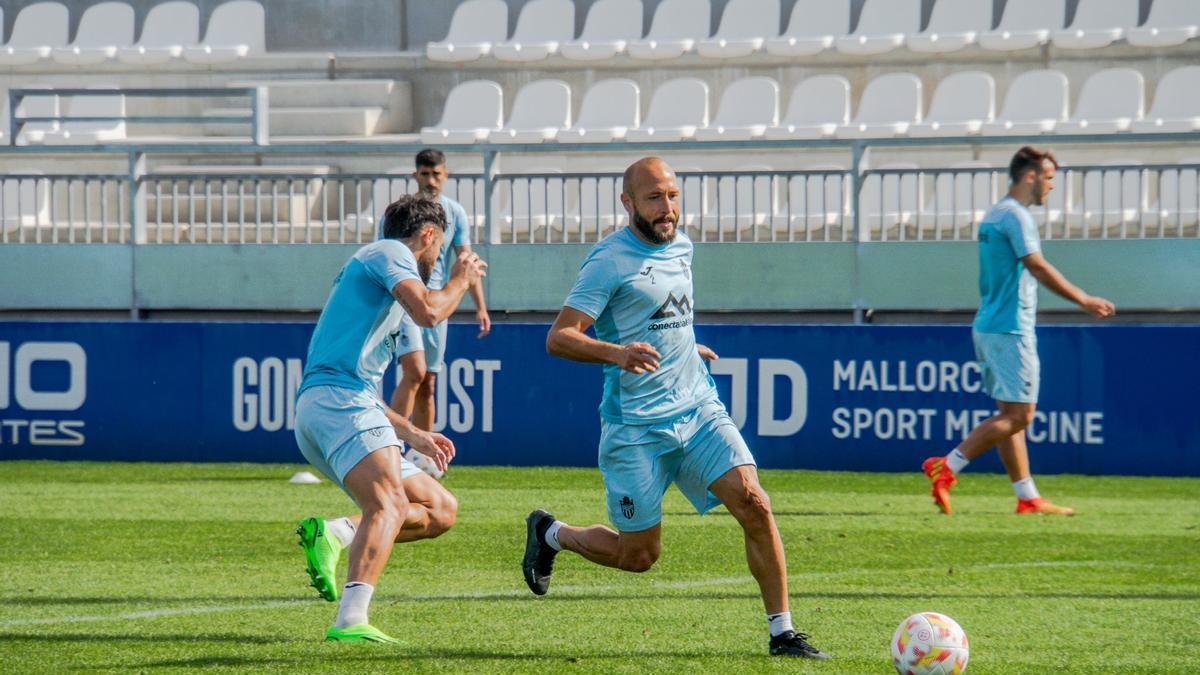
pixel 1010 370
pixel 1015 455
pixel 717 468
pixel 432 509
pixel 636 462
pixel 434 339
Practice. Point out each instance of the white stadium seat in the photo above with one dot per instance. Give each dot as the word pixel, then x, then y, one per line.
pixel 812 28
pixel 1036 103
pixel 609 110
pixel 103 29
pixel 748 108
pixel 472 112
pixel 542 110
pixel 962 104
pixel 953 25
pixel 678 108
pixel 1171 22
pixel 677 25
pixel 39 28
pixel 541 28
pixel 818 107
pixel 1110 101
pixel 1025 24
pixel 1097 24
pixel 882 27
pixel 475 27
pixel 1178 202
pixel 611 25
pixel 1176 103
pixel 169 28
pixel 236 29
pixel 890 104
pixel 745 26
pixel 889 200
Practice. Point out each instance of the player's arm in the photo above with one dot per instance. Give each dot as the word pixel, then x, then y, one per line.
pixel 569 340
pixel 481 311
pixel 1049 276
pixel 433 445
pixel 429 308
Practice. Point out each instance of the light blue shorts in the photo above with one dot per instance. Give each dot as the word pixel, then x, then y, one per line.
pixel 336 428
pixel 639 461
pixel 432 341
pixel 1011 369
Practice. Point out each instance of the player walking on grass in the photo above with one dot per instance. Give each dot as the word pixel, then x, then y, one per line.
pixel 661 420
pixel 345 430
pixel 1010 267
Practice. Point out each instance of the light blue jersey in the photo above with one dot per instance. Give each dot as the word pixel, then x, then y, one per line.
pixel 457 234
pixel 355 339
pixel 1007 234
pixel 636 292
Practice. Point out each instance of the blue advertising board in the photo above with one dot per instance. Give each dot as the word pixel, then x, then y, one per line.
pixel 1115 399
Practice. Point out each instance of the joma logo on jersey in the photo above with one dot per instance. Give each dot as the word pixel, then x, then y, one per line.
pixel 673 307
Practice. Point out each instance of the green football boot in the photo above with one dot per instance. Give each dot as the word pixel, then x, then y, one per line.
pixel 359 633
pixel 321 550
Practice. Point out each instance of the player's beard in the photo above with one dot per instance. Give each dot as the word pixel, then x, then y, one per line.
pixel 647 228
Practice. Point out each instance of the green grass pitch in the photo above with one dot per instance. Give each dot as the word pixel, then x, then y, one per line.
pixel 145 567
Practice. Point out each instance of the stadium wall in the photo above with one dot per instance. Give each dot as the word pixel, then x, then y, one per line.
pixel 1115 399
pixel 1137 274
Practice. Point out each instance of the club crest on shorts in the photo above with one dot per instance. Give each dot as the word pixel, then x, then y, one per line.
pixel 627 507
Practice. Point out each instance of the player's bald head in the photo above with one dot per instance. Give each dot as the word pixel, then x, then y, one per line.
pixel 647 170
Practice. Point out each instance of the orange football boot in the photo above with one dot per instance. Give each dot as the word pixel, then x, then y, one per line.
pixel 1039 505
pixel 941 479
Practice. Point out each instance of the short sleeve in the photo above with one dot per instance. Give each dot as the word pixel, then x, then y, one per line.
pixel 594 288
pixel 390 263
pixel 462 236
pixel 1022 233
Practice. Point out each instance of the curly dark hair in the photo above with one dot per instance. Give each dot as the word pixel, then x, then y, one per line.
pixel 407 215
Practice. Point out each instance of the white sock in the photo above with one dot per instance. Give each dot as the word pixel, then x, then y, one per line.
pixel 341 528
pixel 552 535
pixel 780 623
pixel 1025 489
pixel 356 596
pixel 956 461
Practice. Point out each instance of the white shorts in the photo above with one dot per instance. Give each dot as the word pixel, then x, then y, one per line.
pixel 432 341
pixel 336 428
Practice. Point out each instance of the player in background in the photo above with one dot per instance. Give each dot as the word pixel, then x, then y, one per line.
pixel 344 429
pixel 1010 267
pixel 422 350
pixel 661 420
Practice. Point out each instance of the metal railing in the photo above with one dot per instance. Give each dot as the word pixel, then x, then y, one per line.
pixel 256 121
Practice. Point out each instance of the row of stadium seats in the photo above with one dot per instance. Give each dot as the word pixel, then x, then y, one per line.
pixel 1037 101
pixel 614 27
pixel 897 201
pixel 106 31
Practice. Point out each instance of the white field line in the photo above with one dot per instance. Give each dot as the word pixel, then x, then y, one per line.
pixel 562 590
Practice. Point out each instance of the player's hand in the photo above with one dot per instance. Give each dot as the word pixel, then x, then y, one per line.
pixel 434 446
pixel 469 266
pixel 706 353
pixel 485 322
pixel 638 358
pixel 1098 307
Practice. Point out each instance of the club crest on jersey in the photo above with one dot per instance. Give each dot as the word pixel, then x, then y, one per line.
pixel 674 306
pixel 627 507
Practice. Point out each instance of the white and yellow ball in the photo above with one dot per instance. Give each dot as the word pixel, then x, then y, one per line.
pixel 929 644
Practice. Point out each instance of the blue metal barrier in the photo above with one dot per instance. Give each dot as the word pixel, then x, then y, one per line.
pixel 1115 400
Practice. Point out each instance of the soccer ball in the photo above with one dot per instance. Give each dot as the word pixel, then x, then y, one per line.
pixel 929 644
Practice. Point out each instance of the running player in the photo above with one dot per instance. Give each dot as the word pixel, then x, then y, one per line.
pixel 661 420
pixel 1010 267
pixel 422 350
pixel 345 430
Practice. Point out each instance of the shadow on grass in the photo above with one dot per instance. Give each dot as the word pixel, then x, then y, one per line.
pixel 148 600
pixel 799 514
pixel 135 637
